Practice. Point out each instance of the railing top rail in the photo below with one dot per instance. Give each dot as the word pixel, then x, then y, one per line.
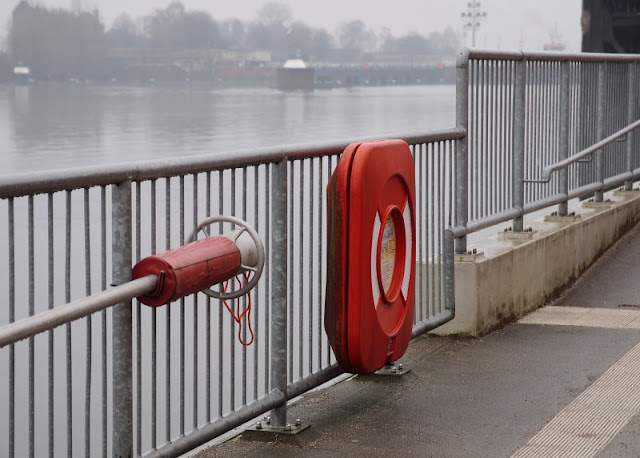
pixel 551 56
pixel 59 180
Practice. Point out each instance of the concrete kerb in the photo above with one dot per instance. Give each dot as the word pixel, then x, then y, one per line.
pixel 516 276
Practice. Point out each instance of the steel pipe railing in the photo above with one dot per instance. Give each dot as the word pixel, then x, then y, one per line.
pixel 560 108
pixel 160 395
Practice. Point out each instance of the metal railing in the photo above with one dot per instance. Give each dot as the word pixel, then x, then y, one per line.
pixel 526 111
pixel 161 381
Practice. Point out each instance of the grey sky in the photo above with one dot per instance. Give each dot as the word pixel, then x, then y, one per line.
pixel 510 24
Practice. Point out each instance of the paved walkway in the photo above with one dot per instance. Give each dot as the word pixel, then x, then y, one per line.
pixel 564 381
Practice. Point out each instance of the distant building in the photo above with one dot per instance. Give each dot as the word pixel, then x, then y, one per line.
pixel 611 26
pixel 143 64
pixel 160 55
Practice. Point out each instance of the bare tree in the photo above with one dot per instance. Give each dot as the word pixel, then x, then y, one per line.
pixel 320 44
pixel 174 27
pixel 57 43
pixel 233 33
pixel 124 33
pixel 275 13
pixel 446 42
pixel 299 39
pixel 200 30
pixel 355 37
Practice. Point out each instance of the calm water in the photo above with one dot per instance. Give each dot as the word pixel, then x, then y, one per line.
pixel 60 126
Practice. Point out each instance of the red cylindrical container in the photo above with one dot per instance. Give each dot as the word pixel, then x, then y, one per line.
pixel 189 269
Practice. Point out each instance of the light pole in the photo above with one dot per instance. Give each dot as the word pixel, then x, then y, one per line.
pixel 471 19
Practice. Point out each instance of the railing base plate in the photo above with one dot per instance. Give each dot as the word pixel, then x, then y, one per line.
pixel 512 235
pixel 606 204
pixel 393 370
pixel 469 257
pixel 562 218
pixel 263 430
pixel 625 192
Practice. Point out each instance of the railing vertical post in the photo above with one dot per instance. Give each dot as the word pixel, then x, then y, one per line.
pixel 462 120
pixel 565 110
pixel 599 195
pixel 279 269
pixel 517 190
pixel 632 101
pixel 122 439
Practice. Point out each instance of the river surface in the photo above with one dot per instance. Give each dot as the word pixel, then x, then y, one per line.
pixel 60 126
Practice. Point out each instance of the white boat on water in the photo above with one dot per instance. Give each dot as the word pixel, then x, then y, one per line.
pixel 295 75
pixel 21 74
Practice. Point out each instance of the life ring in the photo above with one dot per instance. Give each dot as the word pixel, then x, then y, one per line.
pixel 371 255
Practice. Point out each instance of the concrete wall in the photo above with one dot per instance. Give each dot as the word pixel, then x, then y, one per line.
pixel 515 276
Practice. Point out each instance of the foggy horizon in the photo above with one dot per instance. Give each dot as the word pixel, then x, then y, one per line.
pixel 508 25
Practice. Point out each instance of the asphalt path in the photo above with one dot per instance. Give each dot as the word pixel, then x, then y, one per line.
pixel 545 386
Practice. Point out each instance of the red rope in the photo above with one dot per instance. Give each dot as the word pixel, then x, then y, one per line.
pixel 238 315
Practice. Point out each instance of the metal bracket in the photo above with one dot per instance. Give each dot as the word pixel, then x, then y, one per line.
pixel 265 426
pixel 555 218
pixel 260 253
pixel 289 434
pixel 539 181
pixel 393 370
pixel 469 256
pixel 585 161
pixel 592 204
pixel 624 192
pixel 510 234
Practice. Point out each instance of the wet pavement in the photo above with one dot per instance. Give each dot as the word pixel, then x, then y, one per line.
pixel 564 381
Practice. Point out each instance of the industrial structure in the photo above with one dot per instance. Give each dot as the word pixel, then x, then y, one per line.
pixel 611 26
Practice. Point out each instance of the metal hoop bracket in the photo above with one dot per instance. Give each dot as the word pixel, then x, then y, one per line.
pixel 257 270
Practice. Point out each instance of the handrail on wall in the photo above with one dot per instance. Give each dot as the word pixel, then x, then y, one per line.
pixel 548 170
